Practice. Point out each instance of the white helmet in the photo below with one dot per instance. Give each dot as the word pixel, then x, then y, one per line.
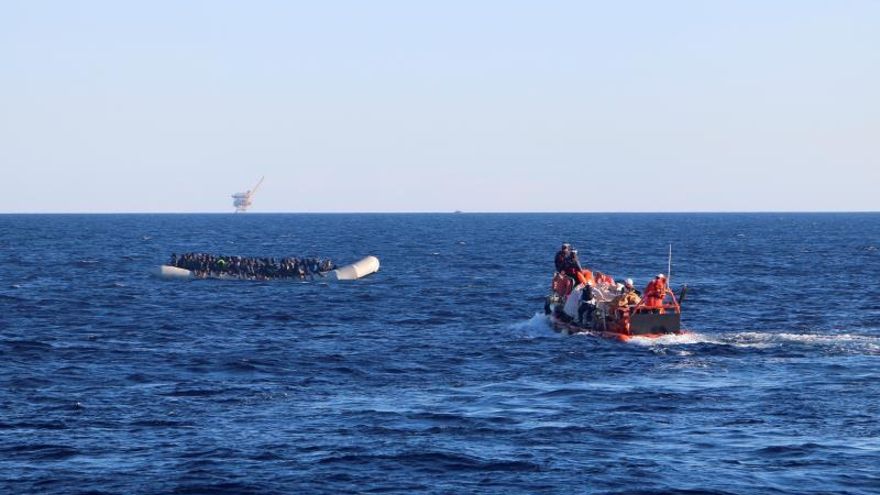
pixel 628 282
pixel 660 275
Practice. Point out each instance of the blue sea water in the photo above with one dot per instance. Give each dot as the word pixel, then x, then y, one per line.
pixel 438 374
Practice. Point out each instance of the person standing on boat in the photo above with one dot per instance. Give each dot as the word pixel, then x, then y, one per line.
pixel 567 262
pixel 587 307
pixel 655 292
pixel 562 257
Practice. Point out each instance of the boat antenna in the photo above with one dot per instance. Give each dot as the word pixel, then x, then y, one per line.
pixel 669 268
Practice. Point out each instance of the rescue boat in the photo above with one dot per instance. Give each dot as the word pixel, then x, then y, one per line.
pixel 563 308
pixel 359 269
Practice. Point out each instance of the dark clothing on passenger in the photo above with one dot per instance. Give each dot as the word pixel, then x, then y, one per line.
pixel 560 261
pixel 205 265
pixel 586 306
pixel 567 262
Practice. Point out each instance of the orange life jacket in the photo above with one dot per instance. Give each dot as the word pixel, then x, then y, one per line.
pixel 655 291
pixel 584 276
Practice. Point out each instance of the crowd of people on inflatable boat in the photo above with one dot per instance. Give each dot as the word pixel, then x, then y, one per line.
pixel 597 289
pixel 208 265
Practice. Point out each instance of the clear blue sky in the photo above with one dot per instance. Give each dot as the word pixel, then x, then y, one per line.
pixel 171 106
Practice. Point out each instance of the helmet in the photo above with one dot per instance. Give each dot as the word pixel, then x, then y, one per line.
pixel 566 245
pixel 660 275
pixel 628 282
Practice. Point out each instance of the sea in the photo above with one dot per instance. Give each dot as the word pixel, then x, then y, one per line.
pixel 439 374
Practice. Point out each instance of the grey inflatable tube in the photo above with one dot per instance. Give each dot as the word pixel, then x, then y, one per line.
pixel 354 271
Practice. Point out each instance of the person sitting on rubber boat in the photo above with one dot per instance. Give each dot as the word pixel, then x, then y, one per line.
pixel 655 292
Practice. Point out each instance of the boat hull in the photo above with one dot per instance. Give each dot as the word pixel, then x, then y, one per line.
pixel 649 331
pixel 655 324
pixel 360 269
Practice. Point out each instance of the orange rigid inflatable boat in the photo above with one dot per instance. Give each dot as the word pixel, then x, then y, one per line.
pixel 571 310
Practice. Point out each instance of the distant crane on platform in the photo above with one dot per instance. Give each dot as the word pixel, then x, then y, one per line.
pixel 243 200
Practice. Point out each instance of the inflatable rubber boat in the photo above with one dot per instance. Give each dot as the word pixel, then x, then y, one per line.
pixel 360 269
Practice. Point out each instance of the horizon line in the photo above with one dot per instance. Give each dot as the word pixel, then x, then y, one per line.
pixel 444 212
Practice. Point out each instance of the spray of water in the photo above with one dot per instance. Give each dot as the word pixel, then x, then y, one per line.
pixel 538 326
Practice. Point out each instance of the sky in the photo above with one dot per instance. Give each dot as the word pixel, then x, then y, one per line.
pixel 401 106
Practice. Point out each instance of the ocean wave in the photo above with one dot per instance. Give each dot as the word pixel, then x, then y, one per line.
pixel 434 461
pixel 40 452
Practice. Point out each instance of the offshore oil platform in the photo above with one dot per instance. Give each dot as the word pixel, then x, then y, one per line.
pixel 243 200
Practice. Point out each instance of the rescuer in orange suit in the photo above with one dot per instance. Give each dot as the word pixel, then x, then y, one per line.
pixel 655 292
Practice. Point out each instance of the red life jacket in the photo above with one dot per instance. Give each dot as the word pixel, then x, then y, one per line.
pixel 561 284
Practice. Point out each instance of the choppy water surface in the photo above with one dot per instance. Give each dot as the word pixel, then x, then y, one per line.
pixel 437 375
